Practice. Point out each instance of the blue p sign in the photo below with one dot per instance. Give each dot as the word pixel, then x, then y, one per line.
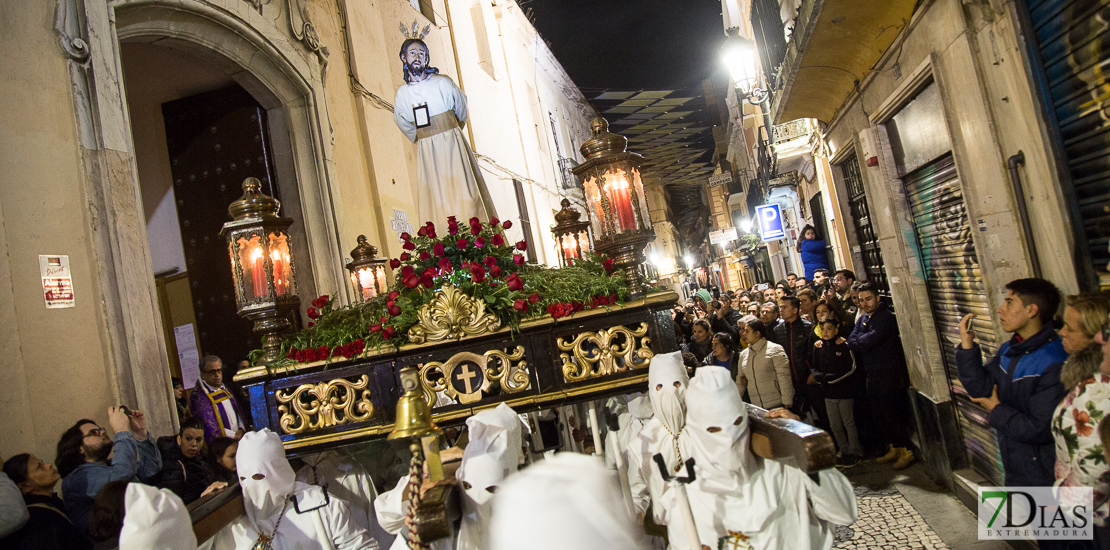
pixel 770 221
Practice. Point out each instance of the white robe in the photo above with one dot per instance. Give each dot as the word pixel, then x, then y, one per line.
pixel 449 180
pixel 318 522
pixel 391 510
pixel 347 480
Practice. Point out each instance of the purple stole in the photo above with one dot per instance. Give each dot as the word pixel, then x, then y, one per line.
pixel 206 406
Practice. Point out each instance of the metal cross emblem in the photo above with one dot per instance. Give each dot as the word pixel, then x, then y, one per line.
pixel 466 375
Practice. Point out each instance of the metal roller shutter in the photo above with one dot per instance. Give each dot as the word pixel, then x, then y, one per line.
pixel 956 288
pixel 1073 38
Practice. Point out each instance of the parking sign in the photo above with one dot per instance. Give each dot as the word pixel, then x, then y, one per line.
pixel 770 222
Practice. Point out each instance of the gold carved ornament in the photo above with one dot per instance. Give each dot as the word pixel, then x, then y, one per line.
pixel 605 352
pixel 452 315
pixel 510 372
pixel 324 404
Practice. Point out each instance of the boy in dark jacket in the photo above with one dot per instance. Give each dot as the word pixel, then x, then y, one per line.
pixel 1020 386
pixel 833 368
pixel 184 469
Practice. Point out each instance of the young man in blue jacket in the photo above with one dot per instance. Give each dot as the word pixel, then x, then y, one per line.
pixel 1020 386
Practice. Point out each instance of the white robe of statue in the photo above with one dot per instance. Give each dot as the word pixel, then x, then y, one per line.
pixel 345 478
pixel 664 434
pixel 449 181
pixel 305 516
pixel 771 504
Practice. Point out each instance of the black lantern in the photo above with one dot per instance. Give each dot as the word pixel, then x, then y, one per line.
pixel 367 271
pixel 572 237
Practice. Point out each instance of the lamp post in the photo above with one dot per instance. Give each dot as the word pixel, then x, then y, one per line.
pixel 740 56
pixel 572 237
pixel 610 178
pixel 262 265
pixel 367 271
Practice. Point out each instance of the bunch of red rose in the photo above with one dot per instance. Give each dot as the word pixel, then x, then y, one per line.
pixel 480 251
pixel 320 306
pixel 308 355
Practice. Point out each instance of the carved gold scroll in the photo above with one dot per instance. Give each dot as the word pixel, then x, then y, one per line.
pixel 607 351
pixel 467 376
pixel 452 315
pixel 324 404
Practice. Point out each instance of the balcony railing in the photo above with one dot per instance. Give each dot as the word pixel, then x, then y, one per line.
pixel 569 180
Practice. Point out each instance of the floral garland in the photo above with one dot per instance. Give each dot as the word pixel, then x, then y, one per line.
pixel 476 259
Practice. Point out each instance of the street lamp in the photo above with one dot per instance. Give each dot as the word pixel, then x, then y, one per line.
pixel 610 179
pixel 262 265
pixel 572 237
pixel 740 56
pixel 367 271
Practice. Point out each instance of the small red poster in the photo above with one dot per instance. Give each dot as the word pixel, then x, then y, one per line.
pixel 57 284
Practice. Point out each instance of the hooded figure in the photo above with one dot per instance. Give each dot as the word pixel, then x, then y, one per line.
pixel 492 453
pixel 729 493
pixel 346 478
pixel 567 501
pixel 664 434
pixel 282 510
pixel 155 518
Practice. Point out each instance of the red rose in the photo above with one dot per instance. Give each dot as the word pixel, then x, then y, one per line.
pixel 495 271
pixel 520 305
pixel 431 229
pixel 427 280
pixel 394 263
pixel 507 225
pixel 613 298
pixel 475 230
pixel 492 284
pixel 431 232
pixel 477 273
pixel 451 219
pixel 405 256
pixel 518 259
pixel 533 298
pixel 383 320
pixel 479 242
pixel 421 232
pixel 394 310
pixel 494 221
pixel 311 324
pixel 388 332
pixel 292 353
pixel 497 240
pixel 490 261
pixel 321 301
pixel 576 305
pixel 393 295
pixel 405 236
pixel 312 313
pixel 452 228
pixel 376 328
pixel 461 243
pixel 522 246
pixel 439 249
pixel 424 255
pixel 475 222
pixel 411 281
pixel 408 245
pixel 445 265
pixel 608 265
pixel 514 283
pixel 429 271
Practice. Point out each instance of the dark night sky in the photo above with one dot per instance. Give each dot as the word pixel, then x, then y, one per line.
pixel 632 44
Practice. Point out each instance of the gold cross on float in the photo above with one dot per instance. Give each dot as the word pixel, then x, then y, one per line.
pixel 467 377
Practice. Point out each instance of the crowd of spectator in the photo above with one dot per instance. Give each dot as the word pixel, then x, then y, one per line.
pixel 95 468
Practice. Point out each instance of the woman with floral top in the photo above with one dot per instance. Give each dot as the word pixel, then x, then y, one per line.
pixel 1079 458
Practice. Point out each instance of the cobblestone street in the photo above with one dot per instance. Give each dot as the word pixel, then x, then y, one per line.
pixel 907 510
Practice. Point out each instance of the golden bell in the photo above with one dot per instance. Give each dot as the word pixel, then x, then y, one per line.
pixel 414 417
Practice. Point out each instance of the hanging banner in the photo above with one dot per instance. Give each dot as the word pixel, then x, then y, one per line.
pixel 57 283
pixel 771 226
pixel 722 236
pixel 720 179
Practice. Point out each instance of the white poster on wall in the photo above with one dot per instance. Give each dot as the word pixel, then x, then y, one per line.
pixel 57 283
pixel 187 355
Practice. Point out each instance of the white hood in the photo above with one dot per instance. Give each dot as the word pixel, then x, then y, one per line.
pixel 568 501
pixel 640 407
pixel 667 381
pixel 155 519
pixel 717 422
pixel 492 454
pixel 266 477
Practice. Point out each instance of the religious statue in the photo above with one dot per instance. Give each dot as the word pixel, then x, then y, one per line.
pixel 430 110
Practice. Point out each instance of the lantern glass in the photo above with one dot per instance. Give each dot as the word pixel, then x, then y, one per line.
pixel 253 269
pixel 282 267
pixel 369 281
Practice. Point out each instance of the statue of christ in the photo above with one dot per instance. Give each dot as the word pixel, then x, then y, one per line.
pixel 430 110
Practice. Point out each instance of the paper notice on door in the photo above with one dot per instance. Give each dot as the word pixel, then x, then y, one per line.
pixel 57 283
pixel 187 355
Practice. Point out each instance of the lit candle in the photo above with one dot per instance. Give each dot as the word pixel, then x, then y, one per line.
pixel 278 260
pixel 381 279
pixel 616 186
pixel 366 282
pixel 258 272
